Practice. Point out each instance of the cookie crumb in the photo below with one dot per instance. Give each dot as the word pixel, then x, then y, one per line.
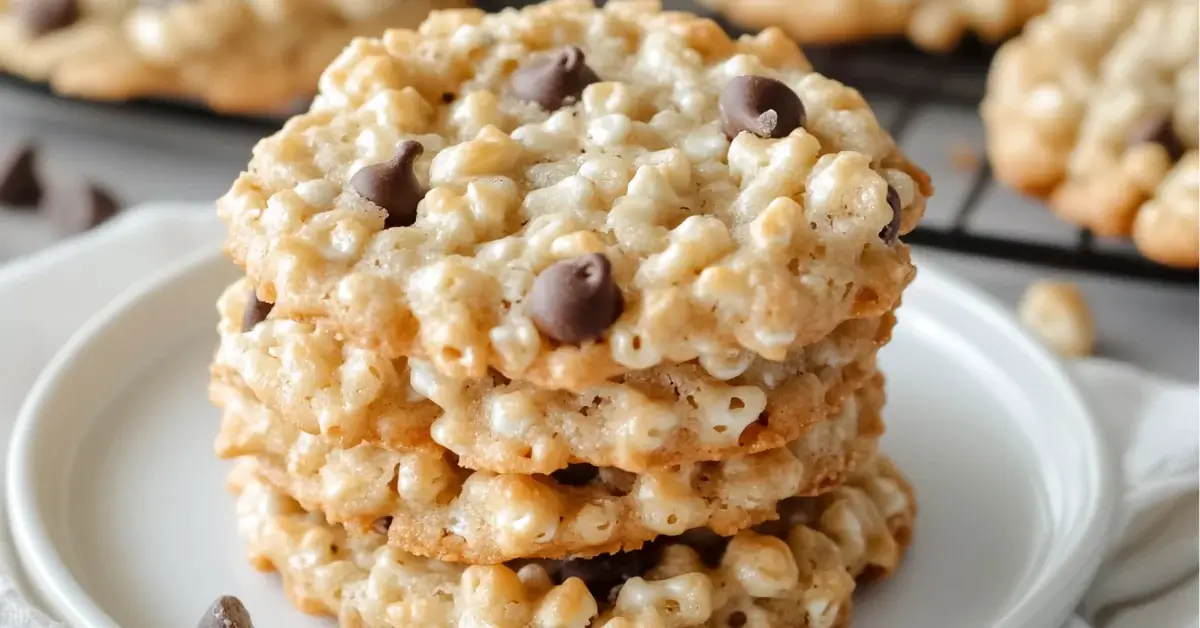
pixel 1058 313
pixel 965 158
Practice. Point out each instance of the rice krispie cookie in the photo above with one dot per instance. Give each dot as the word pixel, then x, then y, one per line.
pixel 565 193
pixel 800 575
pixel 1095 106
pixel 935 25
pixel 433 507
pixel 255 56
pixel 670 414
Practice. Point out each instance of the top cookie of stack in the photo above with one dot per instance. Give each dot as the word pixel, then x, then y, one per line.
pixel 565 195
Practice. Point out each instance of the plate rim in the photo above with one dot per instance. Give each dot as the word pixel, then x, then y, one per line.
pixel 1064 575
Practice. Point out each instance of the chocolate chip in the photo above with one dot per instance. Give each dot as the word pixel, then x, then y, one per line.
pixel 708 544
pixel 19 184
pixel 226 612
pixel 554 79
pixel 760 105
pixel 892 231
pixel 1157 129
pixel 74 206
pixel 256 311
pixel 736 619
pixel 44 16
pixel 576 300
pixel 576 474
pixel 603 573
pixel 447 97
pixel 393 185
pixel 382 525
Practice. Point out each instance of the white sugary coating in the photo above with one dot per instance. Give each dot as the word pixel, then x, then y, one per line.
pixel 803 578
pixel 935 25
pixel 665 415
pixel 248 56
pixel 719 248
pixel 437 508
pixel 1066 97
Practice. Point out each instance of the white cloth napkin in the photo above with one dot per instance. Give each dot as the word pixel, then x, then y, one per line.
pixel 1153 425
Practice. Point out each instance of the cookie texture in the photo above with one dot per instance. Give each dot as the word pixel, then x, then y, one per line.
pixel 665 415
pixel 1095 107
pixel 714 248
pixel 430 506
pixel 935 25
pixel 258 57
pixel 798 573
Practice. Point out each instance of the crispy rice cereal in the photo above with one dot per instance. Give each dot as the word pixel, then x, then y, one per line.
pixel 718 249
pixel 433 507
pixel 241 56
pixel 666 415
pixel 935 25
pixel 1096 107
pixel 802 576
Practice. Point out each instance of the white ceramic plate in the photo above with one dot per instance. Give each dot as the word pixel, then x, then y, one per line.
pixel 120 515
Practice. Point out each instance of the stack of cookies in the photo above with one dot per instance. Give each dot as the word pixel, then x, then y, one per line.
pixel 568 316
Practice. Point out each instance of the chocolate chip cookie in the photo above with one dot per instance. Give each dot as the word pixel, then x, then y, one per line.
pixel 247 57
pixel 800 572
pixel 1095 108
pixel 667 415
pixel 935 25
pixel 431 506
pixel 601 191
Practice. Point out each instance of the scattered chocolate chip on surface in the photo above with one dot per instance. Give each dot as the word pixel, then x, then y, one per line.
pixel 554 79
pixel 576 474
pixel 393 185
pixel 1158 129
pixel 576 300
pixel 74 205
pixel 226 612
pixel 19 183
pixel 890 233
pixel 763 106
pixel 45 16
pixel 256 311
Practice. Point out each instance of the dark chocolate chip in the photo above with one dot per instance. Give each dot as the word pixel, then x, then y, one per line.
pixel 760 105
pixel 19 184
pixel 576 300
pixel 1158 129
pixel 892 231
pixel 256 311
pixel 393 185
pixel 382 525
pixel 576 474
pixel 226 612
pixel 736 619
pixel 44 16
pixel 447 97
pixel 74 206
pixel 603 573
pixel 553 79
pixel 708 544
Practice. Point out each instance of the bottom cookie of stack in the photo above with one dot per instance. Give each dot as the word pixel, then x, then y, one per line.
pixel 798 571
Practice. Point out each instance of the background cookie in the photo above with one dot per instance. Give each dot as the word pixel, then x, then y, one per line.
pixel 803 571
pixel 246 57
pixel 565 246
pixel 432 507
pixel 935 25
pixel 1095 107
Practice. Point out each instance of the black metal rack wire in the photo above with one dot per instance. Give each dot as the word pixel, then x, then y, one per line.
pixel 898 70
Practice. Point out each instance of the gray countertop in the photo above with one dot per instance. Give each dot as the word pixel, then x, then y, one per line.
pixel 145 156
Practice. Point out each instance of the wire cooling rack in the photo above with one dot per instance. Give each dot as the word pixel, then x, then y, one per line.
pixel 929 104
